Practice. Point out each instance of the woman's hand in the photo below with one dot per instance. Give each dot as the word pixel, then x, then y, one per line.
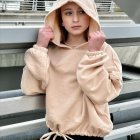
pixel 96 40
pixel 44 36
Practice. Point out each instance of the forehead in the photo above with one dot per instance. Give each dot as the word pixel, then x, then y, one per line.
pixel 70 5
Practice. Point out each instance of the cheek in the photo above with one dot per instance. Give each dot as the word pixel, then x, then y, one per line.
pixel 86 21
pixel 66 24
pixel 65 21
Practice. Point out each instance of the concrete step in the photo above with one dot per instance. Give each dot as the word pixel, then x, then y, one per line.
pixel 129 55
pixel 10 58
pixel 40 15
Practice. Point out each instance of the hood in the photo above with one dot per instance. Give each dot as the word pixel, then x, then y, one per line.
pixel 88 6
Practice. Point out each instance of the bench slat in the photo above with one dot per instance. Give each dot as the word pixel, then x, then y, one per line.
pixel 40 123
pixel 22 104
pixel 131 86
pixel 125 131
pixel 28 103
pixel 22 127
pixel 124 105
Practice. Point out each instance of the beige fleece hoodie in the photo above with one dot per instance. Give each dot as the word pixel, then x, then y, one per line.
pixel 78 83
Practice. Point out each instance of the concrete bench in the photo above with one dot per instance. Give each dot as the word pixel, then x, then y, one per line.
pixel 125 115
pixel 35 103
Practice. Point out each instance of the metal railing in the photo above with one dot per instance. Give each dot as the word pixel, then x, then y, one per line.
pixel 44 5
pixel 30 5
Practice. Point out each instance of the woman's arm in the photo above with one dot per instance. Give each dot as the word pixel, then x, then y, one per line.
pixel 35 74
pixel 100 75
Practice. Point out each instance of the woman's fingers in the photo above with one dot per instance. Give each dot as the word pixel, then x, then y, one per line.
pixel 96 40
pixel 45 35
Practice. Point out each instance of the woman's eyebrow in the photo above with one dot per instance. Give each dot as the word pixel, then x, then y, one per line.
pixel 80 8
pixel 67 9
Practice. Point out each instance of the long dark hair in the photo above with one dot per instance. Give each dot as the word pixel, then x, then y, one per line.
pixel 63 31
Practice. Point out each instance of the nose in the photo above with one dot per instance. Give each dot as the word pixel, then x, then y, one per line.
pixel 75 17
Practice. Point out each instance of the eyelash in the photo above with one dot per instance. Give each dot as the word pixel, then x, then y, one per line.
pixel 68 13
pixel 82 12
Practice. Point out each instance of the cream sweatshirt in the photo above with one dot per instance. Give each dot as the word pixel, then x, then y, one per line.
pixel 78 84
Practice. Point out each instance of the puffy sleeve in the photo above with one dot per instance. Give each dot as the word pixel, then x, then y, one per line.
pixel 99 75
pixel 35 73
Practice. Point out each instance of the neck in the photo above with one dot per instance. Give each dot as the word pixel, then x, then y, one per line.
pixel 75 40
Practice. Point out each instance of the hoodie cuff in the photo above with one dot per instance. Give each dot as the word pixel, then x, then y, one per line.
pixel 95 54
pixel 40 48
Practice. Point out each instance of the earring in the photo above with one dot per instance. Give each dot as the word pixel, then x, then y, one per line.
pixel 62 24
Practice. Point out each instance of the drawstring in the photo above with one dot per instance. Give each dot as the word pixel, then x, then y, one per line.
pixel 48 136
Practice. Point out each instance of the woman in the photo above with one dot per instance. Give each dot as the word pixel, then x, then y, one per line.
pixel 79 72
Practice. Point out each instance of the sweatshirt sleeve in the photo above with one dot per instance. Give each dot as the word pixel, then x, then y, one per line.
pixel 35 73
pixel 99 75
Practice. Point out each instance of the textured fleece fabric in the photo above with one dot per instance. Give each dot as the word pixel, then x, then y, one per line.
pixel 78 84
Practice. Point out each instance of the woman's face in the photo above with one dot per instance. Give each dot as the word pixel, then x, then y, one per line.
pixel 74 19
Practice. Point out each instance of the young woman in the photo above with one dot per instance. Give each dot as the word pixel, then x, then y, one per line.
pixel 79 72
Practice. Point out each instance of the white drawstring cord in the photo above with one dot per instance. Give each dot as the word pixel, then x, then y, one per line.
pixel 47 136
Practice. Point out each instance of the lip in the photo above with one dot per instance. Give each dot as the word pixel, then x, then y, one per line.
pixel 76 26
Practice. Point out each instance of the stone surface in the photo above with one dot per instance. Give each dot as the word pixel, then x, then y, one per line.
pixel 11 59
pixel 129 55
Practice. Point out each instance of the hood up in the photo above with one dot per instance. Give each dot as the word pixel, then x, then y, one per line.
pixel 87 5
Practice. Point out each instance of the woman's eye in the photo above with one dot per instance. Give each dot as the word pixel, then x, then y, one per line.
pixel 82 12
pixel 68 13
